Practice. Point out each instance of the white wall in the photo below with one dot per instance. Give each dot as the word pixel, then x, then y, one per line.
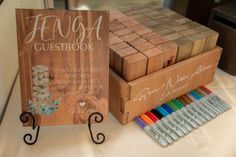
pixel 8 43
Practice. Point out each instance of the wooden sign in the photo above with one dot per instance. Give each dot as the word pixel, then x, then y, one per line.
pixel 64 64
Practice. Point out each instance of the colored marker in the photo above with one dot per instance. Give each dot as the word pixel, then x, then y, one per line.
pixel 187 117
pixel 181 122
pixel 211 106
pixel 201 101
pixel 188 109
pixel 146 119
pixel 151 132
pixel 168 120
pixel 215 98
pixel 195 109
pixel 195 98
pixel 200 107
pixel 161 125
pixel 215 103
pixel 162 112
pixel 182 117
pixel 193 118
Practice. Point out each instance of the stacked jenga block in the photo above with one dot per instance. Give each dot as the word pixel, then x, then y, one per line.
pixel 136 50
pixel 191 37
pixel 41 93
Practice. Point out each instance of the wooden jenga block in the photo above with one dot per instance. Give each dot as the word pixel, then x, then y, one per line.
pixel 211 39
pixel 131 12
pixel 160 27
pixel 116 27
pixel 169 13
pixel 155 58
pixel 187 32
pixel 137 16
pixel 157 40
pixel 113 39
pixel 150 35
pixel 134 66
pixel 143 31
pixel 166 32
pixel 118 58
pixel 114 23
pixel 173 36
pixel 119 46
pixel 130 23
pixel 137 27
pixel 184 48
pixel 164 20
pixel 200 29
pixel 123 19
pixel 157 17
pixel 113 49
pixel 137 41
pixel 152 13
pixel 194 24
pixel 143 19
pixel 122 32
pixel 179 28
pixel 151 23
pixel 144 46
pixel 198 43
pixel 130 37
pixel 170 52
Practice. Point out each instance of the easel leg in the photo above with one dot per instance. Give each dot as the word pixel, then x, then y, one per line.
pixel 24 118
pixel 100 137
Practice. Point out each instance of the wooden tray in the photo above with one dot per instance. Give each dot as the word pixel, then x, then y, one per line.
pixel 130 99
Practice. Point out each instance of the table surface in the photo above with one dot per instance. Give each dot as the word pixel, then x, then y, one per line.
pixel 215 139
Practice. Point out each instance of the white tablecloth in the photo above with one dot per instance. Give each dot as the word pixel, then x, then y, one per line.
pixel 217 138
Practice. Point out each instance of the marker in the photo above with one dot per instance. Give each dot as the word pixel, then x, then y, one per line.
pixel 195 98
pixel 214 97
pixel 201 101
pixel 216 110
pixel 192 116
pixel 151 132
pixel 184 119
pixel 186 116
pixel 195 109
pixel 146 119
pixel 178 121
pixel 198 108
pixel 162 112
pixel 214 103
pixel 198 118
pixel 169 119
pixel 161 125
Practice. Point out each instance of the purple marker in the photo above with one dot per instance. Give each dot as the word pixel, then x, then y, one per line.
pixel 148 129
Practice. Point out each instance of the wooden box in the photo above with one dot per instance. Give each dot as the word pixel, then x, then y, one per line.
pixel 130 99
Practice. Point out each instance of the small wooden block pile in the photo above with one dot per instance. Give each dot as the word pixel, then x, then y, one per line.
pixel 191 37
pixel 136 50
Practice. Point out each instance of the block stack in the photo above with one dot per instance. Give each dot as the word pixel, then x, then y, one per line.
pixel 135 50
pixel 191 37
pixel 41 93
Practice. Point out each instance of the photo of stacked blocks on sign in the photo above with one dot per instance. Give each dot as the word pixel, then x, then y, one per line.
pixel 156 57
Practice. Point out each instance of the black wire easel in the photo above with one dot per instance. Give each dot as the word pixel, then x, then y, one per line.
pixel 28 138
